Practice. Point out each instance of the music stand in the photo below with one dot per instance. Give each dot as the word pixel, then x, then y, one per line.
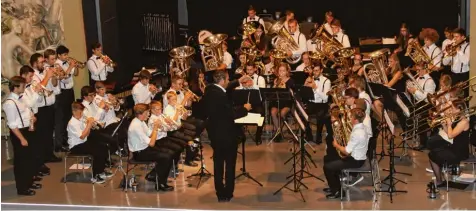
pixel 119 165
pixel 275 94
pixel 299 77
pixel 244 96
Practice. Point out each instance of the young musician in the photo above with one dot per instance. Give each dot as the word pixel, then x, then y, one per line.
pixel 352 100
pixel 99 65
pixel 253 17
pixel 329 16
pixel 227 58
pixel 45 77
pixel 306 62
pixel 358 67
pixel 339 33
pixel 319 106
pixel 456 128
pixel 355 154
pixel 81 141
pixel 143 92
pixel 223 133
pixel 66 97
pixel 402 40
pixel 177 86
pixel 459 61
pixel 142 141
pixel 19 118
pixel 289 16
pixel 257 81
pixel 449 38
pixel 430 37
pixel 98 112
pixel 359 83
pixel 283 81
pixel 298 37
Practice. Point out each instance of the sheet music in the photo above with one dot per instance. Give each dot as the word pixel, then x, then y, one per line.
pixel 402 105
pixel 251 118
pixel 390 124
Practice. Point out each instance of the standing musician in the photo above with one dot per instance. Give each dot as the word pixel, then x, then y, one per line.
pixel 99 65
pixel 447 42
pixel 143 91
pixel 459 59
pixel 454 153
pixel 253 17
pixel 329 16
pixel 19 118
pixel 424 86
pixel 223 133
pixel 66 97
pixel 306 62
pixel 283 81
pixel 319 106
pixel 430 37
pixel 358 67
pixel 79 131
pixel 142 141
pixel 339 33
pixel 355 154
pixel 45 77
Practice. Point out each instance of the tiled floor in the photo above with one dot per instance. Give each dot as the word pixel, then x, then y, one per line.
pixel 265 163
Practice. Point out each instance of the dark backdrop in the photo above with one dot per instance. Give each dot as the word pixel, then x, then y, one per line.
pixel 359 18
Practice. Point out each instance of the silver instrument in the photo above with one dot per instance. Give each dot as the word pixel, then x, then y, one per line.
pixel 213 53
pixel 181 58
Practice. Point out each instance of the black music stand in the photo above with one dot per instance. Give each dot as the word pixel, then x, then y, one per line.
pixel 244 96
pixel 275 94
pixel 299 77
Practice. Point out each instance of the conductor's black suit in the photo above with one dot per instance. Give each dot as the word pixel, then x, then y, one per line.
pixel 223 134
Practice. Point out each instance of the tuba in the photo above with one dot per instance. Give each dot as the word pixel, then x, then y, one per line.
pixel 377 74
pixel 284 41
pixel 180 62
pixel 212 53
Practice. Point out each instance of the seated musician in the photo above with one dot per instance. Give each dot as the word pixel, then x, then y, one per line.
pixel 298 37
pixel 354 154
pixel 241 66
pixel 402 41
pixel 396 80
pixel 177 87
pixel 430 37
pixel 254 81
pixel 142 141
pixel 358 67
pixel 456 127
pixel 306 62
pixel 320 86
pixel 339 33
pixel 81 141
pixel 283 81
pixel 143 91
pixel 227 59
pixel 423 86
pixel 359 83
pixel 259 39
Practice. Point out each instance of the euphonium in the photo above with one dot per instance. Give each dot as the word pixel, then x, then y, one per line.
pixel 284 41
pixel 378 73
pixel 412 82
pixel 180 60
pixel 212 53
pixel 329 44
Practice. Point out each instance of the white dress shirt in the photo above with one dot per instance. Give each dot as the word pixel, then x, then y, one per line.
pixel 460 62
pixel 92 110
pixel 180 97
pixel 313 46
pixel 300 40
pixel 269 68
pixel 30 98
pixel 75 129
pixel 343 39
pixel 161 131
pixel 223 89
pixel 434 53
pixel 328 28
pixel 368 101
pixel 428 86
pixel 358 143
pixel 98 68
pixel 323 85
pixel 138 135
pixel 169 112
pixel 16 118
pixel 258 82
pixel 368 125
pixel 141 93
pixel 68 82
pixel 227 59
pixel 46 100
pixel 110 116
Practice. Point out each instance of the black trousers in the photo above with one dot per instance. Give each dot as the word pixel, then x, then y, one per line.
pixel 23 160
pixel 63 114
pixel 172 146
pixel 103 136
pixel 45 127
pixel 162 159
pixel 321 110
pixel 333 169
pixel 95 148
pixel 224 162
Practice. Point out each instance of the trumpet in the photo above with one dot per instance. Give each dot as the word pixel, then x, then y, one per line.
pixel 78 63
pixel 153 89
pixel 201 84
pixel 195 98
pixel 107 60
pixel 181 110
pixel 96 125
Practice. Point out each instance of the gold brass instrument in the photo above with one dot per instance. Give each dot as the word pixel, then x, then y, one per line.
pixel 107 60
pixel 252 55
pixel 43 91
pixel 279 83
pixel 249 28
pixel 416 52
pixel 378 73
pixel 341 128
pixel 78 63
pixel 212 53
pixel 284 41
pixel 329 44
pixel 96 125
pixel 451 49
pixel 432 98
pixel 279 56
pixel 201 84
pixel 180 60
pixel 195 98
pixel 436 112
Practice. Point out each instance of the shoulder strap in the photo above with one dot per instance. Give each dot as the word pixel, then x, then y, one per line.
pixel 464 51
pixel 424 84
pixel 19 114
pixel 324 84
pixel 431 57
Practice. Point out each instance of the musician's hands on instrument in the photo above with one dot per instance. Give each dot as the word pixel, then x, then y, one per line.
pixel 247 106
pixel 37 88
pixel 33 118
pixel 157 124
pixel 90 121
pixel 412 90
pixel 168 121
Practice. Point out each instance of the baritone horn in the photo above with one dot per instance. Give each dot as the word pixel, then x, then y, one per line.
pixel 378 73
pixel 284 41
pixel 180 60
pixel 213 53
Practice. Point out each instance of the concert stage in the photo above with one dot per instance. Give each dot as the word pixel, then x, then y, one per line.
pixel 264 162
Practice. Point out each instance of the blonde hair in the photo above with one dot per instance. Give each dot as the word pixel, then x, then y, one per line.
pixel 286 66
pixel 170 95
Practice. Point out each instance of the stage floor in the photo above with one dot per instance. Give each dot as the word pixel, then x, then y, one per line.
pixel 264 162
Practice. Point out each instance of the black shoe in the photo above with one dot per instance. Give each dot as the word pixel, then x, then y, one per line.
pixel 42 174
pixel 197 159
pixel 26 192
pixel 191 164
pixel 335 195
pixel 53 159
pixel 36 186
pixel 222 199
pixel 327 190
pixel 37 179
pixel 165 187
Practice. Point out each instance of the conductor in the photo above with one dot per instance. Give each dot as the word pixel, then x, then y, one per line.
pixel 222 131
